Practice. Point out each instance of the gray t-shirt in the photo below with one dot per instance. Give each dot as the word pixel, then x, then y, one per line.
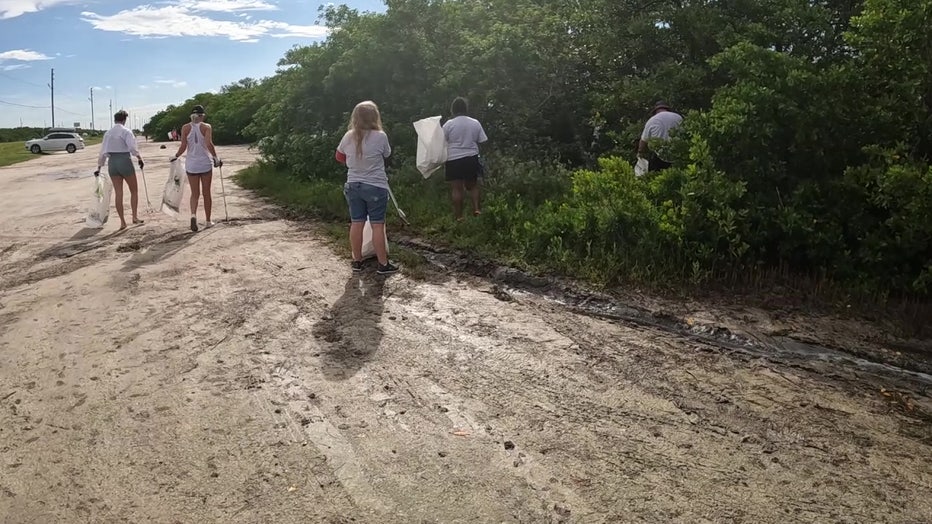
pixel 464 134
pixel 659 125
pixel 369 168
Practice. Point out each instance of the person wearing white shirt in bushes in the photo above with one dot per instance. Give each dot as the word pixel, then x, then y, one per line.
pixel 656 131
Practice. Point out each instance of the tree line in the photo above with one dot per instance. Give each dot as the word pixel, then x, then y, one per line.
pixel 805 148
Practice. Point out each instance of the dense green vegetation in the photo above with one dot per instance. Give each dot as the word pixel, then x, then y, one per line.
pixel 805 150
pixel 230 112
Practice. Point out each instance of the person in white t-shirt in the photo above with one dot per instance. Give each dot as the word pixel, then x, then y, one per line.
pixel 463 168
pixel 364 149
pixel 118 144
pixel 658 127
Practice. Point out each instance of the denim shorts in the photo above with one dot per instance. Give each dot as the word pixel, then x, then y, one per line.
pixel 366 202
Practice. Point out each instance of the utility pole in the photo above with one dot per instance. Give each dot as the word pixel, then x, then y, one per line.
pixel 93 128
pixel 111 112
pixel 52 87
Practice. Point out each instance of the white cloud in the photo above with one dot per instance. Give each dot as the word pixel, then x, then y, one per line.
pixel 227 5
pixel 15 67
pixel 283 30
pixel 173 83
pixel 14 8
pixel 187 18
pixel 22 55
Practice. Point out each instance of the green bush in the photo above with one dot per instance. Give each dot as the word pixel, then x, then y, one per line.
pixel 805 149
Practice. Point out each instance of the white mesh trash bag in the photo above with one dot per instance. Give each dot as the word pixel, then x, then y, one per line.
pixel 99 210
pixel 174 188
pixel 431 145
pixel 368 248
pixel 640 169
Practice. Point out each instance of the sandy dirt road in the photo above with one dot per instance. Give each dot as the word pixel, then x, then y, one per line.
pixel 244 375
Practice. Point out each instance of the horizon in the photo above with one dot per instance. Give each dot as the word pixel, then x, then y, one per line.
pixel 138 56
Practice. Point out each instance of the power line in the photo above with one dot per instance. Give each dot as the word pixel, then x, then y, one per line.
pixel 23 105
pixel 58 108
pixel 4 75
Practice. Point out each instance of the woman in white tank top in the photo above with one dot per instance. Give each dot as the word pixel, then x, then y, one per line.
pixel 197 140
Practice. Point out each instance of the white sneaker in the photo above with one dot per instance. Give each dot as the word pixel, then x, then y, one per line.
pixel 208 224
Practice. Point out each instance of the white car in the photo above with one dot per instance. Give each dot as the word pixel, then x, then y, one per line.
pixel 69 142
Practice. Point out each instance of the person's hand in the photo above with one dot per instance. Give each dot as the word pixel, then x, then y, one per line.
pixel 218 162
pixel 141 164
pixel 97 173
pixel 172 159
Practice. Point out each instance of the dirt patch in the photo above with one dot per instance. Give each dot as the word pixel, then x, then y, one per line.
pixel 245 374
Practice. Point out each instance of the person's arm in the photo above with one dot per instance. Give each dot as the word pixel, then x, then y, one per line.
pixel 103 154
pixel 133 147
pixel 482 136
pixel 184 142
pixel 340 154
pixel 386 148
pixel 643 148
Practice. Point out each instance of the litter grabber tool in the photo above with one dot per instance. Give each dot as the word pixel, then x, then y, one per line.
pixel 219 165
pixel 145 187
pixel 401 214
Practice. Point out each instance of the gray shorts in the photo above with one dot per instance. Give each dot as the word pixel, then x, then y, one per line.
pixel 121 164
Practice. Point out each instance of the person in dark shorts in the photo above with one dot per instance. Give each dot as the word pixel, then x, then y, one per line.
pixel 463 168
pixel 118 144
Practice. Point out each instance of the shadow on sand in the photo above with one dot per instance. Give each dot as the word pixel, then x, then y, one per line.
pixel 351 332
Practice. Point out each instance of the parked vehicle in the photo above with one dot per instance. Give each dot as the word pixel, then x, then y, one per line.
pixel 69 142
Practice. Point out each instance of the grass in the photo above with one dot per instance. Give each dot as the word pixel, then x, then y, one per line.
pixel 425 203
pixel 14 152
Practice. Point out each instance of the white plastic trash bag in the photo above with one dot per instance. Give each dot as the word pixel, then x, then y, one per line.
pixel 640 169
pixel 99 210
pixel 174 188
pixel 368 248
pixel 431 145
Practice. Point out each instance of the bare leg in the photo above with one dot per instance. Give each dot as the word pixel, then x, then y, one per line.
pixel 118 198
pixel 205 190
pixel 195 183
pixel 457 191
pixel 133 196
pixel 378 242
pixel 355 239
pixel 473 188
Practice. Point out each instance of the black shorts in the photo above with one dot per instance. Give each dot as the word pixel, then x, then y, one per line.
pixel 467 169
pixel 655 163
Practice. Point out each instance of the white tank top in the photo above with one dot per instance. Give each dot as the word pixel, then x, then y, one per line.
pixel 198 158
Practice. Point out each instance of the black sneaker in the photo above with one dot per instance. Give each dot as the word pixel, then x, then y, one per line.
pixel 357 266
pixel 194 224
pixel 387 269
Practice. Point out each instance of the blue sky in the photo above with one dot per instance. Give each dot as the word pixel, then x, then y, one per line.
pixel 142 56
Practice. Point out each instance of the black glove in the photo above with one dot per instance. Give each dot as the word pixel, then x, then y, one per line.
pixel 97 173
pixel 141 163
pixel 218 162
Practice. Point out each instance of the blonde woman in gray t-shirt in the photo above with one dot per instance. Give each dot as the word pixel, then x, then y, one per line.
pixel 363 150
